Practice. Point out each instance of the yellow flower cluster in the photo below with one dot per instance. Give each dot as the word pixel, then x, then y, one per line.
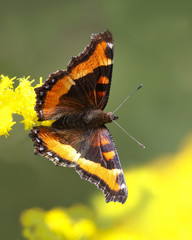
pixel 158 207
pixel 57 224
pixel 19 100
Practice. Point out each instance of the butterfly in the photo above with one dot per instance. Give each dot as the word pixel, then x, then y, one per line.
pixel 75 100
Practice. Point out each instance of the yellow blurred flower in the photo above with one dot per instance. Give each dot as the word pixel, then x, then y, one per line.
pixel 59 222
pixel 159 206
pixel 84 229
pixel 56 223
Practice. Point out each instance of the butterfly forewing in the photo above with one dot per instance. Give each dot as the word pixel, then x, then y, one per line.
pixel 85 83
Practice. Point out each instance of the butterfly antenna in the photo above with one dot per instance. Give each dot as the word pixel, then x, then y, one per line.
pixel 140 86
pixel 129 134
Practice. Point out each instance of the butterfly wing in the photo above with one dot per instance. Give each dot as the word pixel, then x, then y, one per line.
pixel 92 69
pixel 101 166
pixel 91 152
pixel 86 83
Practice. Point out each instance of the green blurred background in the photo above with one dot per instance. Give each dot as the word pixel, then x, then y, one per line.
pixel 153 46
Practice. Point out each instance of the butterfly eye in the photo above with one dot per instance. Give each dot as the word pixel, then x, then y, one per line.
pixel 115 117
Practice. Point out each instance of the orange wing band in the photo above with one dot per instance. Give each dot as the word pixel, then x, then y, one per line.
pixel 97 59
pixel 107 175
pixel 62 87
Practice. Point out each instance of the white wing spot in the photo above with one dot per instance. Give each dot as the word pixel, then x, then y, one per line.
pixel 123 186
pixel 50 154
pixel 56 159
pixel 110 45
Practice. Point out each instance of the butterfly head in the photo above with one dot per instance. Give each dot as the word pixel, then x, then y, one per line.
pixel 111 116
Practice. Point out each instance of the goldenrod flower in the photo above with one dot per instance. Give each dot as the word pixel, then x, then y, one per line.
pixel 19 100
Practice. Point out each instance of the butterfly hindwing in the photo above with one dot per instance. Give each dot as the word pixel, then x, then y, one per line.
pixel 91 152
pixel 100 165
pixel 85 83
pixel 60 146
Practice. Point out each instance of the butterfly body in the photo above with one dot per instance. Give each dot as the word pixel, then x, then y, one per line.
pixel 89 119
pixel 78 137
